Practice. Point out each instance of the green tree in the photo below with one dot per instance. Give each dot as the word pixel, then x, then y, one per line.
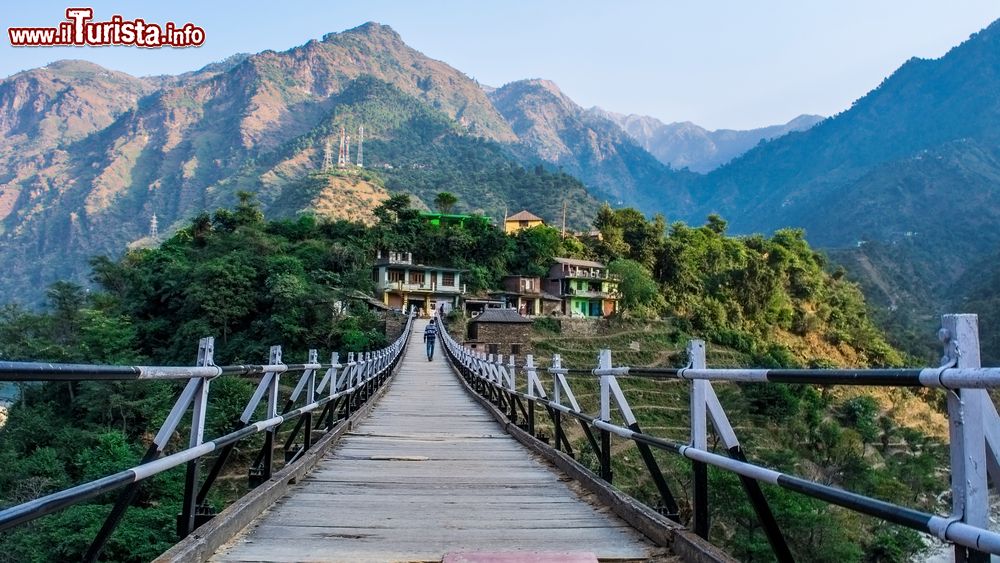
pixel 612 242
pixel 445 202
pixel 65 300
pixel 222 291
pixel 717 224
pixel 534 250
pixel 640 295
pixel 862 413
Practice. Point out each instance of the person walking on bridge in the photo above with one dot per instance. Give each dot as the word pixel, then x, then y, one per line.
pixel 430 334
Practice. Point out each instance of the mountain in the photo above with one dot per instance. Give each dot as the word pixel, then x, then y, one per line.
pixel 552 128
pixel 44 110
pixel 852 164
pixel 905 180
pixel 686 145
pixel 63 102
pixel 89 155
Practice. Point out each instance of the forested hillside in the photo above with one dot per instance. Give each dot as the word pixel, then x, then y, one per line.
pixel 300 282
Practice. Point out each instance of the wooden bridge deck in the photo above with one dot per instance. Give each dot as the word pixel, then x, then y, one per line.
pixel 427 474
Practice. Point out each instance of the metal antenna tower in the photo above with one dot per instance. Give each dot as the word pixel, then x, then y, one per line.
pixel 361 146
pixel 342 156
pixel 328 156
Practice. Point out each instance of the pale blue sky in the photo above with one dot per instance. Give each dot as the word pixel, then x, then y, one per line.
pixel 721 64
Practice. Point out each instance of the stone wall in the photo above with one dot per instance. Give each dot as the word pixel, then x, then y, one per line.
pixel 505 338
pixel 582 327
pixel 394 323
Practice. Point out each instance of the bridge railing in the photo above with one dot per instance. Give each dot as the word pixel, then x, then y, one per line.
pixel 342 387
pixel 973 421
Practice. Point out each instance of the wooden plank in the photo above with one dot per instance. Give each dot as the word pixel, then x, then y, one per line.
pixel 484 523
pixel 352 544
pixel 357 552
pixel 429 472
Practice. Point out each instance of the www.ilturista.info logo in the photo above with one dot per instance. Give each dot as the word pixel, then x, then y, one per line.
pixel 79 30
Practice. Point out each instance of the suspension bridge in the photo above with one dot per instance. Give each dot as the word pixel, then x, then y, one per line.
pixel 384 456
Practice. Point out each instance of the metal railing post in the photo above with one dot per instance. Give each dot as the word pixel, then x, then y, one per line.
pixel 349 376
pixel 310 399
pixel 512 387
pixel 699 437
pixel 557 399
pixel 604 363
pixel 188 518
pixel 969 492
pixel 274 358
pixel 532 376
pixel 331 412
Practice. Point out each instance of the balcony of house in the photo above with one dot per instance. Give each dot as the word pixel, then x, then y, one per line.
pixel 418 286
pixel 594 293
pixel 522 285
pixel 407 278
pixel 572 268
pixel 581 273
pixel 592 289
pixel 386 257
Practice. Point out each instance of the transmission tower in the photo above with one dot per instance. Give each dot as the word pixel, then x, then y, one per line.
pixel 342 156
pixel 327 156
pixel 154 231
pixel 361 146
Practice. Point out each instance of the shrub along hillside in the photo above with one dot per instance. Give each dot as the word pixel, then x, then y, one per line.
pixel 768 298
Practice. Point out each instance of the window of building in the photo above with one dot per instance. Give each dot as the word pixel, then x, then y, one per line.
pixel 529 285
pixel 515 349
pixel 395 275
pixel 494 349
pixel 448 279
pixel 417 277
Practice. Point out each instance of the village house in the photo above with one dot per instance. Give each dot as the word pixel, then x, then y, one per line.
pixel 520 221
pixel 400 283
pixel 525 295
pixel 454 219
pixel 585 287
pixel 500 331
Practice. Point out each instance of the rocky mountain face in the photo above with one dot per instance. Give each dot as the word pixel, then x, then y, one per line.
pixel 44 111
pixel 554 129
pixel 687 145
pixel 88 155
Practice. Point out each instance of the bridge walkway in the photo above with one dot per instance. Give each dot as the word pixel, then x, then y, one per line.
pixel 427 474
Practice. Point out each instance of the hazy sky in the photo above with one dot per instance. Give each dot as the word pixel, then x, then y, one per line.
pixel 721 64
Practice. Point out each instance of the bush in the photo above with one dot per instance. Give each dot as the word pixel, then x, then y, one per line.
pixel 547 324
pixel 774 401
pixel 861 413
